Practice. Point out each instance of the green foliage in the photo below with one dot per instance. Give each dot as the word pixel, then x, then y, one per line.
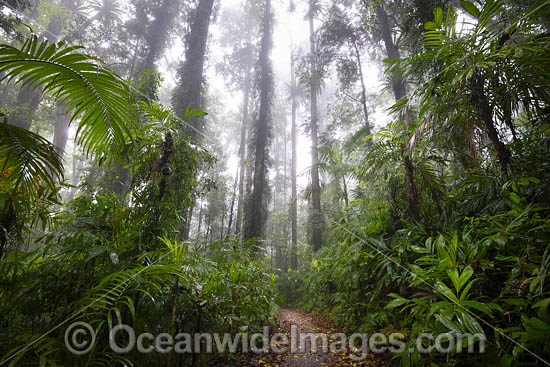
pixel 92 92
pixel 30 168
pixel 103 281
pixel 476 260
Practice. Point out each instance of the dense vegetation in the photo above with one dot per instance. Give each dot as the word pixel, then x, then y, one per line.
pixel 426 207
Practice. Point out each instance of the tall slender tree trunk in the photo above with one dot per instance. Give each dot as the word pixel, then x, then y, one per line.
pixel 294 197
pixel 316 218
pixel 200 220
pixel 232 209
pixel 242 148
pixel 363 88
pixel 256 216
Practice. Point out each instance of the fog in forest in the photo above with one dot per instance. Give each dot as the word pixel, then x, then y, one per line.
pixel 229 167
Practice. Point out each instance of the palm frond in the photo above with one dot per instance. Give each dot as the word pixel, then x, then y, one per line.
pixel 82 83
pixel 29 164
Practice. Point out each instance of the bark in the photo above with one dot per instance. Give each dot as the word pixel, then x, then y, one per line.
pixel 410 188
pixel 242 149
pixel 316 219
pixel 76 174
pixel 503 154
pixel 200 220
pixel 294 198
pixel 167 149
pixel 134 58
pixel 230 223
pixel 174 308
pixel 363 88
pixel 27 102
pixel 392 51
pixel 399 91
pixel 164 18
pixel 256 217
pixel 61 129
pixel 188 93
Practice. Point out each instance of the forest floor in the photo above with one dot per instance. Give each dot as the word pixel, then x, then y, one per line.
pixel 307 357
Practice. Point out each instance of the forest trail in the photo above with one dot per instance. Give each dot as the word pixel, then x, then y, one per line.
pixel 305 323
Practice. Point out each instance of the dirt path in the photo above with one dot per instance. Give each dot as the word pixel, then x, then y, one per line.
pixel 293 322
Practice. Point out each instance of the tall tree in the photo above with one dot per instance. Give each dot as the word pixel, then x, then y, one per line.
pixel 398 84
pixel 399 92
pixel 316 218
pixel 294 196
pixel 188 93
pixel 256 214
pixel 159 31
pixel 240 31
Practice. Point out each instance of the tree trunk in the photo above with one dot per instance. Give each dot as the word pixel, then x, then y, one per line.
pixel 392 51
pixel 316 221
pixel 61 129
pixel 294 197
pixel 29 98
pixel 256 216
pixel 363 88
pixel 200 221
pixel 188 93
pixel 399 91
pixel 230 223
pixel 158 34
pixel 242 150
pixel 503 154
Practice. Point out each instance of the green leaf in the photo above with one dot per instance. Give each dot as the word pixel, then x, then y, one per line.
pixel 397 301
pixel 430 26
pixel 468 322
pixel 94 94
pixel 464 277
pixel 515 198
pixel 438 17
pixel 448 323
pixel 445 291
pixel 470 8
pixel 29 164
pixel 453 275
pixel 542 304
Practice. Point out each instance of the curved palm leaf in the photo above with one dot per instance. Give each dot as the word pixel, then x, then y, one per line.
pixel 82 83
pixel 28 163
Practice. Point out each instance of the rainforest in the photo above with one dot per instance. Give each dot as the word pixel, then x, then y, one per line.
pixel 274 183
